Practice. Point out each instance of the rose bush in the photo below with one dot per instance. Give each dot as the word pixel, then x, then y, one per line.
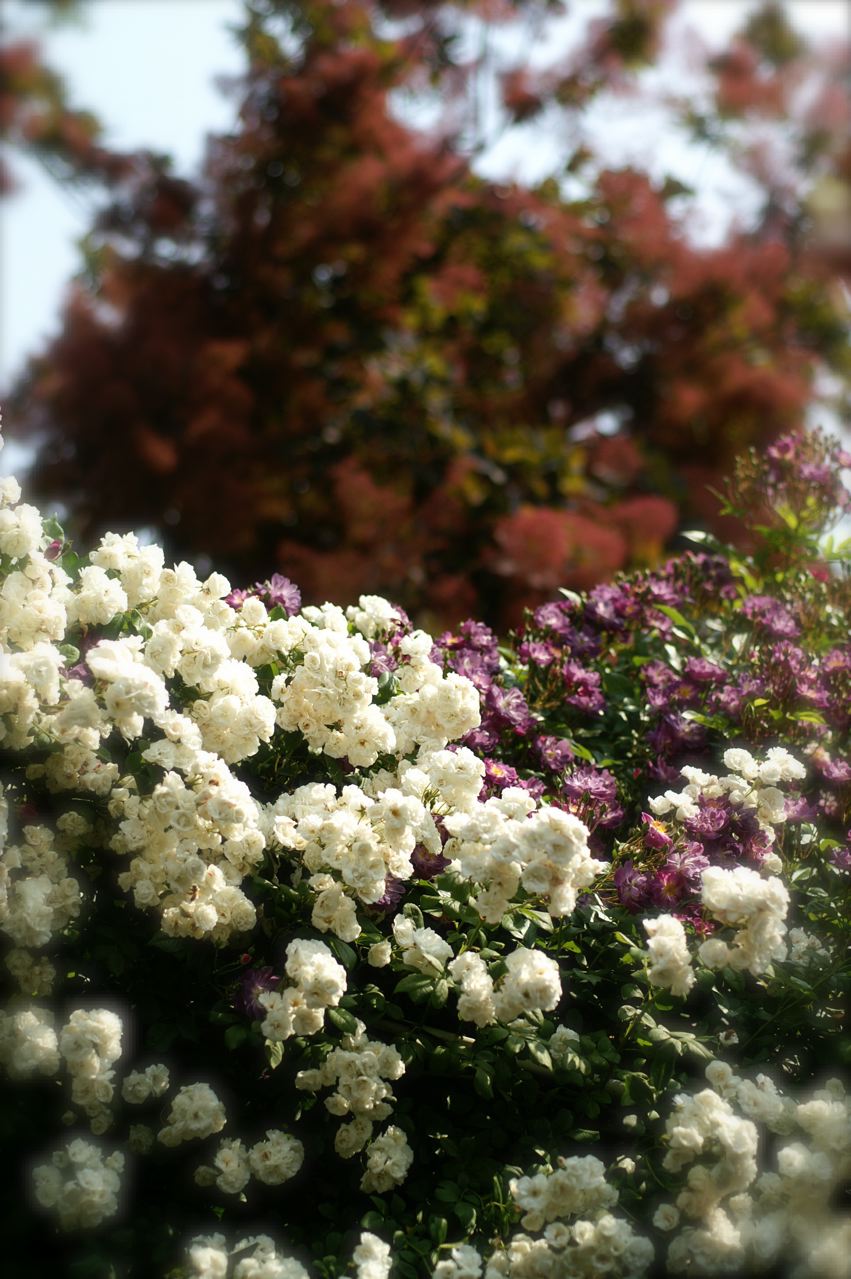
pixel 333 949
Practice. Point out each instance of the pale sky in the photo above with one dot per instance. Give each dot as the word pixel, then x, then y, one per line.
pixel 148 69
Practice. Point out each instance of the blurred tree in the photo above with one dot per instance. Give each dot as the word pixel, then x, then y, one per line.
pixel 341 352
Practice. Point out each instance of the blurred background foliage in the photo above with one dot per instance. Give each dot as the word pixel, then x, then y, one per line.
pixel 342 352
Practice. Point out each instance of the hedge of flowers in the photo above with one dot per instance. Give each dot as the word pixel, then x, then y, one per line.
pixel 334 949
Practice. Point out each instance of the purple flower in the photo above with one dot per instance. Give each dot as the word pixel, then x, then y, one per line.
pixel 798 809
pixel 582 688
pixel 610 607
pixel 704 672
pixel 655 836
pixel 238 596
pixel 53 550
pixel 276 592
pixel 382 661
pixel 657 675
pixel 835 771
pixel 538 652
pixel 507 708
pixel 593 793
pixel 476 667
pixel 253 983
pixel 394 891
pixel 533 785
pixel 773 616
pixel 631 886
pixel 555 617
pixel 661 770
pixel 426 865
pixel 555 753
pixel 668 887
pixel 596 784
pixel 280 592
pixel 80 672
pixel 497 777
pixel 690 862
pixel 713 818
pixel 841 857
pixel 673 734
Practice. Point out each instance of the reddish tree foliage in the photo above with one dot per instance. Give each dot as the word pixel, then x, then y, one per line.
pixel 341 353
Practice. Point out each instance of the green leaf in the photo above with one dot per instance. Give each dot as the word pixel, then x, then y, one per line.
pixel 343 1020
pixel 675 616
pixel 343 952
pixel 466 1214
pixel 483 1083
pixel 236 1035
pixel 274 1049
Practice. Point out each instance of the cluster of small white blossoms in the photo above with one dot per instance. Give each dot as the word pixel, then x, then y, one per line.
pixel 80 1184
pixel 328 697
pixel 358 1071
pixel 739 1220
pixel 38 897
pixel 350 843
pixel 89 1043
pixel 669 963
pixel 145 1085
pixel 353 841
pixel 194 841
pixel 28 1043
pixel 199 834
pixel 319 983
pixel 274 1160
pixel 752 905
pixel 388 1161
pixel 195 1112
pixel 509 841
pixel 594 1243
pixel 209 1257
pixel 531 983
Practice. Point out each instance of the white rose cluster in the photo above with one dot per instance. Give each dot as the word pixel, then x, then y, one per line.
pixel 595 1243
pixel 740 1220
pixel 531 983
pixel 35 590
pixel 669 963
pixel 422 948
pixel 90 1043
pixel 328 696
pixel 272 1161
pixel 258 1257
pixel 38 896
pixel 575 1188
pixel 34 975
pixel 509 841
pixel 193 844
pixel 351 842
pixel 145 1085
pixel 755 907
pixel 80 1184
pixel 319 983
pixel 195 1112
pixel 28 1042
pixel 388 1160
pixel 358 1072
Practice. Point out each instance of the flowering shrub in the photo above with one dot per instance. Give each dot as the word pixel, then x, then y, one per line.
pixel 333 949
